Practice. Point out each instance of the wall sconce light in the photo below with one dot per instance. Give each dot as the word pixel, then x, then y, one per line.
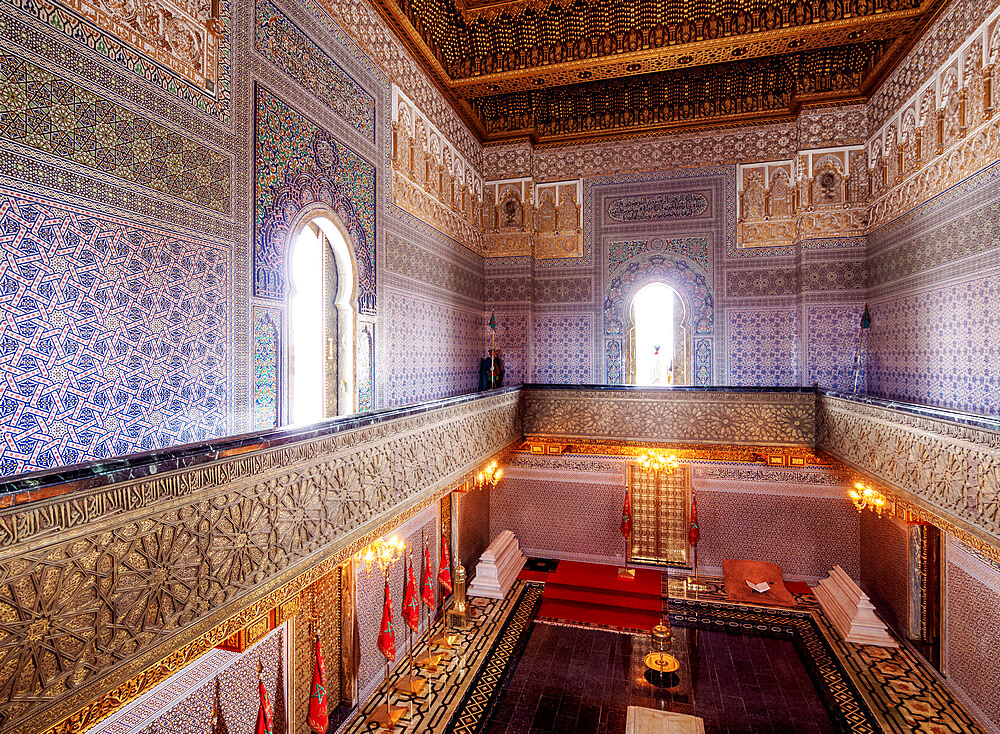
pixel 866 498
pixel 490 475
pixel 657 461
pixel 382 553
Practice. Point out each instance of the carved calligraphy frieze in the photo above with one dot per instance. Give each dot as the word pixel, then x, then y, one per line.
pixel 685 204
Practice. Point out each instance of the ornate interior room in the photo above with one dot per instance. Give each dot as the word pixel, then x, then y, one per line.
pixel 499 366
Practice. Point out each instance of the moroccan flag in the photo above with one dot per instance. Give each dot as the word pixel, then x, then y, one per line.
pixel 627 517
pixel 866 318
pixel 386 635
pixel 319 719
pixel 444 575
pixel 427 589
pixel 694 534
pixel 411 606
pixel 265 722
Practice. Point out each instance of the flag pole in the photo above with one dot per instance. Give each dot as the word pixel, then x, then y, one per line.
pixel 493 344
pixel 428 661
pixel 865 323
pixel 388 703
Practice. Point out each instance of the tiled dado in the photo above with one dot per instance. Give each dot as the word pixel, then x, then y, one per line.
pixel 732 416
pixel 946 471
pixel 200 546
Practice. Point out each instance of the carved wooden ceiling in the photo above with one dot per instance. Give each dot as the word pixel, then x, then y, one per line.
pixel 564 70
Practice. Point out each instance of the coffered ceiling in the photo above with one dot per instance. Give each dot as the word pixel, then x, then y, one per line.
pixel 564 70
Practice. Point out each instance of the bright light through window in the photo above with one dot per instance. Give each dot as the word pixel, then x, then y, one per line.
pixel 306 318
pixel 653 313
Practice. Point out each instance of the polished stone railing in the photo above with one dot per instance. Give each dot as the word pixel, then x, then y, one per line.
pixel 114 574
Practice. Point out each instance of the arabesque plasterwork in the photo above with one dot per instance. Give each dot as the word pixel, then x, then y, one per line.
pixel 942 134
pixel 947 469
pixel 735 418
pixel 522 217
pixel 141 569
pixel 430 179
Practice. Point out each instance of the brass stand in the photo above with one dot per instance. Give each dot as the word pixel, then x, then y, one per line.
pixel 626 573
pixel 428 661
pixel 386 716
pixel 410 684
pixel 696 587
pixel 661 662
pixel 445 641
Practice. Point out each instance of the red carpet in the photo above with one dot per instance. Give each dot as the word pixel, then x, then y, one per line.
pixel 527 575
pixel 798 587
pixel 593 594
pixel 737 572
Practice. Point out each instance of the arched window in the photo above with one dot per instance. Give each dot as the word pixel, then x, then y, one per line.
pixel 321 325
pixel 657 338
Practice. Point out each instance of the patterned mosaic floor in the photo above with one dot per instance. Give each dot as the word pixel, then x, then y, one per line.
pixel 865 689
pixel 459 694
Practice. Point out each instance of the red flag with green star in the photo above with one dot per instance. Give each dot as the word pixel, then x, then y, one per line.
pixel 627 517
pixel 319 719
pixel 387 635
pixel 694 532
pixel 427 590
pixel 265 722
pixel 411 606
pixel 444 575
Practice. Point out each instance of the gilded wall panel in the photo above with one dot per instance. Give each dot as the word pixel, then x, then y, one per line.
pixel 116 578
pixel 737 418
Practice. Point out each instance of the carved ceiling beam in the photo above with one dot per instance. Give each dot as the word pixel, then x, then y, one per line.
pixel 778 42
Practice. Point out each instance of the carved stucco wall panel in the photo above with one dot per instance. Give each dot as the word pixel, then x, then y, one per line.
pixel 96 587
pixel 947 468
pixel 760 418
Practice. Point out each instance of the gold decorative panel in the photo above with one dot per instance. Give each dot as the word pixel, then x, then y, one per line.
pixel 661 503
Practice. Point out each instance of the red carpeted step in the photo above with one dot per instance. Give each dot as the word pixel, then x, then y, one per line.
pixel 526 575
pixel 596 576
pixel 602 598
pixel 604 616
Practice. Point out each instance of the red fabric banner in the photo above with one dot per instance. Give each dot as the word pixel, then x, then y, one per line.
pixel 627 517
pixel 411 606
pixel 694 533
pixel 386 635
pixel 265 722
pixel 319 719
pixel 444 576
pixel 427 589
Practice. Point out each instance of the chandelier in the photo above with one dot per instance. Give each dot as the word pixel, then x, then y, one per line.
pixel 382 553
pixel 490 475
pixel 657 461
pixel 866 498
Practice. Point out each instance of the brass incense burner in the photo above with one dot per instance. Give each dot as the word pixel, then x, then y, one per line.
pixel 658 660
